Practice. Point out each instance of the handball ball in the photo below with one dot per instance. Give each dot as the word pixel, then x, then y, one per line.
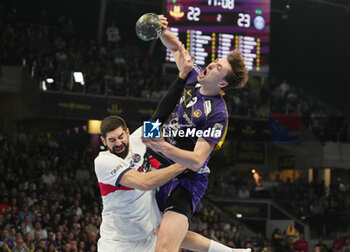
pixel 149 27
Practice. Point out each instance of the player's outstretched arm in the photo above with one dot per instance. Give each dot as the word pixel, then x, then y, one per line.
pixel 191 159
pixel 150 180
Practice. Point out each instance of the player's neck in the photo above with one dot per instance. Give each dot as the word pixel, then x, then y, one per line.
pixel 209 91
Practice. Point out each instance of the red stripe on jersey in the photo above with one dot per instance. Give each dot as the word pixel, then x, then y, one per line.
pixel 107 189
pixel 154 163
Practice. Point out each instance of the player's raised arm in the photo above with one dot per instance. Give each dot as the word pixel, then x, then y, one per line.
pixel 173 43
pixel 167 37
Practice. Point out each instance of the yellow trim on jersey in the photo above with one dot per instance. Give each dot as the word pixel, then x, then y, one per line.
pixel 185 100
pixel 7 248
pixel 218 146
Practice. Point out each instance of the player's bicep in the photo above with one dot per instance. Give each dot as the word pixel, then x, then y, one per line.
pixel 203 148
pixel 133 179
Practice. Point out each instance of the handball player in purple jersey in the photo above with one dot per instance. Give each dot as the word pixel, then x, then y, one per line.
pixel 197 126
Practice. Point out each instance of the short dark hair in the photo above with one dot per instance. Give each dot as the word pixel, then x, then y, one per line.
pixel 238 76
pixel 111 123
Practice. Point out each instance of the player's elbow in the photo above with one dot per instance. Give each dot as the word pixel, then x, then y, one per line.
pixel 174 48
pixel 196 164
pixel 144 186
pixel 200 159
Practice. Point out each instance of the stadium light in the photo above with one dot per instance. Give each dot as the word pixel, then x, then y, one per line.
pixel 239 215
pixel 43 86
pixel 79 78
pixel 50 80
pixel 94 126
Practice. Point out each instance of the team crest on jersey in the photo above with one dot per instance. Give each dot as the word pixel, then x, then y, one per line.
pixel 136 158
pixel 197 113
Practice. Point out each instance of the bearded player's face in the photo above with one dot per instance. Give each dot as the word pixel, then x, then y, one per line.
pixel 117 142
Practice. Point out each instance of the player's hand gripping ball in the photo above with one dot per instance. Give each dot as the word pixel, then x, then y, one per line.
pixel 149 27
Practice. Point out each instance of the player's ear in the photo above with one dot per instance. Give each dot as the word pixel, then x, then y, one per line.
pixel 223 84
pixel 127 131
pixel 103 140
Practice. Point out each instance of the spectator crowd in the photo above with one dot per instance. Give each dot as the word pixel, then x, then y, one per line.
pixel 50 201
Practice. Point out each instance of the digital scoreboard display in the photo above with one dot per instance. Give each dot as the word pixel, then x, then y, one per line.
pixel 210 29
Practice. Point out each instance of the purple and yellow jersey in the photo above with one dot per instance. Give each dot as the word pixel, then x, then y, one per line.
pixel 197 116
pixel 194 113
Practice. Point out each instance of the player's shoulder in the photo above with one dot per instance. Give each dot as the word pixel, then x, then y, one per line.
pixel 215 106
pixel 105 156
pixel 220 103
pixel 136 135
pixel 135 140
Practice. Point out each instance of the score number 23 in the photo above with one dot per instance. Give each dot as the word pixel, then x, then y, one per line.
pixel 243 20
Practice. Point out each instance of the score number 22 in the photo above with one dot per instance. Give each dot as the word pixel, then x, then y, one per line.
pixel 193 13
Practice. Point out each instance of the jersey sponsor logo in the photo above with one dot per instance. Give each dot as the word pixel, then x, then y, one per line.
pixel 151 129
pixel 136 158
pixel 207 107
pixel 114 171
pixel 191 102
pixel 188 120
pixel 197 113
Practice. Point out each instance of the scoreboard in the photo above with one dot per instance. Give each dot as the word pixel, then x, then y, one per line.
pixel 210 29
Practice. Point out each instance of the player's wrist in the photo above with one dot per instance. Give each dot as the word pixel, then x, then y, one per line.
pixel 183 75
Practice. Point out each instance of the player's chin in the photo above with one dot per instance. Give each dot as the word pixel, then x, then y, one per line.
pixel 119 149
pixel 122 153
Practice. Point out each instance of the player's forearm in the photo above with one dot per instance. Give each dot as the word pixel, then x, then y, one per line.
pixel 154 179
pixel 169 100
pixel 190 159
pixel 170 41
